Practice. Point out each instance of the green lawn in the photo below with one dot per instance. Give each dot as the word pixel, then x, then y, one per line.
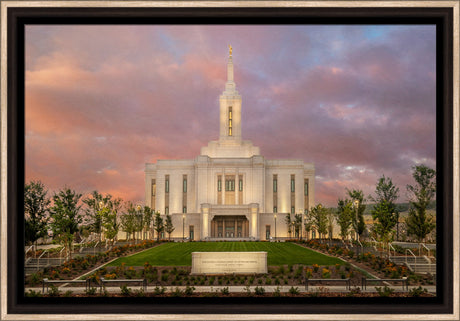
pixel 179 254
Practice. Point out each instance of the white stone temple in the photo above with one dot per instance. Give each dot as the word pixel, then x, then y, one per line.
pixel 230 191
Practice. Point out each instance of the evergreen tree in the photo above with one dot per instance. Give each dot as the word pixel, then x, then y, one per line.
pixel 418 223
pixel 36 206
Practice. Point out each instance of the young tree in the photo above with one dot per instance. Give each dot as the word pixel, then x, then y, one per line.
pixel 319 216
pixel 357 197
pixel 418 223
pixel 297 224
pixel 109 213
pixel 344 217
pixel 65 217
pixel 288 221
pixel 385 213
pixel 36 206
pixel 94 203
pixel 148 219
pixel 169 228
pixel 308 225
pixel 128 220
pixel 158 225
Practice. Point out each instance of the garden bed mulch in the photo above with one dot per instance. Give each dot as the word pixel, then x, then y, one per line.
pixel 374 265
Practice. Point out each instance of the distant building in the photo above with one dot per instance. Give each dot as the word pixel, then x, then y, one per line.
pixel 230 191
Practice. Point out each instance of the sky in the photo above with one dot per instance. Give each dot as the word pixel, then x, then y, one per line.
pixel 358 101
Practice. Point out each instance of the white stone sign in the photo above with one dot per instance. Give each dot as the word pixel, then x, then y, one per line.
pixel 229 262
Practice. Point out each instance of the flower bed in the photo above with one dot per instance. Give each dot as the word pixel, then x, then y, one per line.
pixel 80 265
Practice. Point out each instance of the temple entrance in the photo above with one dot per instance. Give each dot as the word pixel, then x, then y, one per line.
pixel 236 226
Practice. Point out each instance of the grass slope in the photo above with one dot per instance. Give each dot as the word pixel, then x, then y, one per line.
pixel 179 254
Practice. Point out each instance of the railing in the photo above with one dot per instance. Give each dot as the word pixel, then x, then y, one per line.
pixel 38 260
pixel 426 248
pixel 415 259
pixel 390 247
pixel 94 247
pixel 60 252
pixel 362 247
pixel 30 248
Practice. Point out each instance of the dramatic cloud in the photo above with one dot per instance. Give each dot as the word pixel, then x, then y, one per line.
pixel 101 101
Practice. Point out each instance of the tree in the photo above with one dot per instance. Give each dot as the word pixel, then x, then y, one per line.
pixel 288 221
pixel 308 225
pixel 36 206
pixel 109 213
pixel 128 220
pixel 357 197
pixel 94 203
pixel 158 225
pixel 344 217
pixel 319 216
pixel 418 223
pixel 65 217
pixel 148 218
pixel 385 213
pixel 169 228
pixel 297 224
pixel 99 214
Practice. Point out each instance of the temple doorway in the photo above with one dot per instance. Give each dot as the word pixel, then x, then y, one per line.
pixel 235 226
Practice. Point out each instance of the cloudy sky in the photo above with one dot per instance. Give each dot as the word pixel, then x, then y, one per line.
pixel 101 101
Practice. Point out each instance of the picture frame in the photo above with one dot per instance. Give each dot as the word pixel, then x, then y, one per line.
pixel 16 14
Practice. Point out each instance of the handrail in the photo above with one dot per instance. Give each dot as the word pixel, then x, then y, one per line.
pixel 423 245
pixel 38 259
pixel 60 252
pixel 94 247
pixel 374 243
pixel 30 247
pixel 362 247
pixel 391 247
pixel 415 261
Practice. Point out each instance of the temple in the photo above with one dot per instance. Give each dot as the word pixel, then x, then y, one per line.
pixel 230 191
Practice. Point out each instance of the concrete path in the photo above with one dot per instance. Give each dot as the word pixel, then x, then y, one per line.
pixel 268 289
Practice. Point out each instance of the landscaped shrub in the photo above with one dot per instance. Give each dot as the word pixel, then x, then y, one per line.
pixel 294 290
pixel 277 292
pixel 308 272
pixel 224 291
pixel 159 290
pixel 385 292
pixel 35 278
pixel 189 290
pixel 315 267
pixel 125 290
pixel 259 290
pixel 268 281
pixel 325 273
pixel 91 291
pixel 177 292
pixel 416 292
pixel 33 294
pixel 259 281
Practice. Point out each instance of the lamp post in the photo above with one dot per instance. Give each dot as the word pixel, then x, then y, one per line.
pixel 357 207
pixel 275 227
pixel 183 227
pixel 293 228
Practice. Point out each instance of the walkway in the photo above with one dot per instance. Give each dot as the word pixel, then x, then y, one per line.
pixel 242 289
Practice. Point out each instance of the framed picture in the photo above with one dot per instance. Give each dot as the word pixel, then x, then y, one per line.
pixel 114 107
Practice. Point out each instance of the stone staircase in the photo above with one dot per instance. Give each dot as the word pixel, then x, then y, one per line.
pixel 418 264
pixel 33 265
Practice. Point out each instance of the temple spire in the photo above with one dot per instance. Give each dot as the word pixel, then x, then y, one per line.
pixel 230 86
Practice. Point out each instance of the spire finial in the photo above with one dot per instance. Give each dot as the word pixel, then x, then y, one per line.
pixel 230 50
